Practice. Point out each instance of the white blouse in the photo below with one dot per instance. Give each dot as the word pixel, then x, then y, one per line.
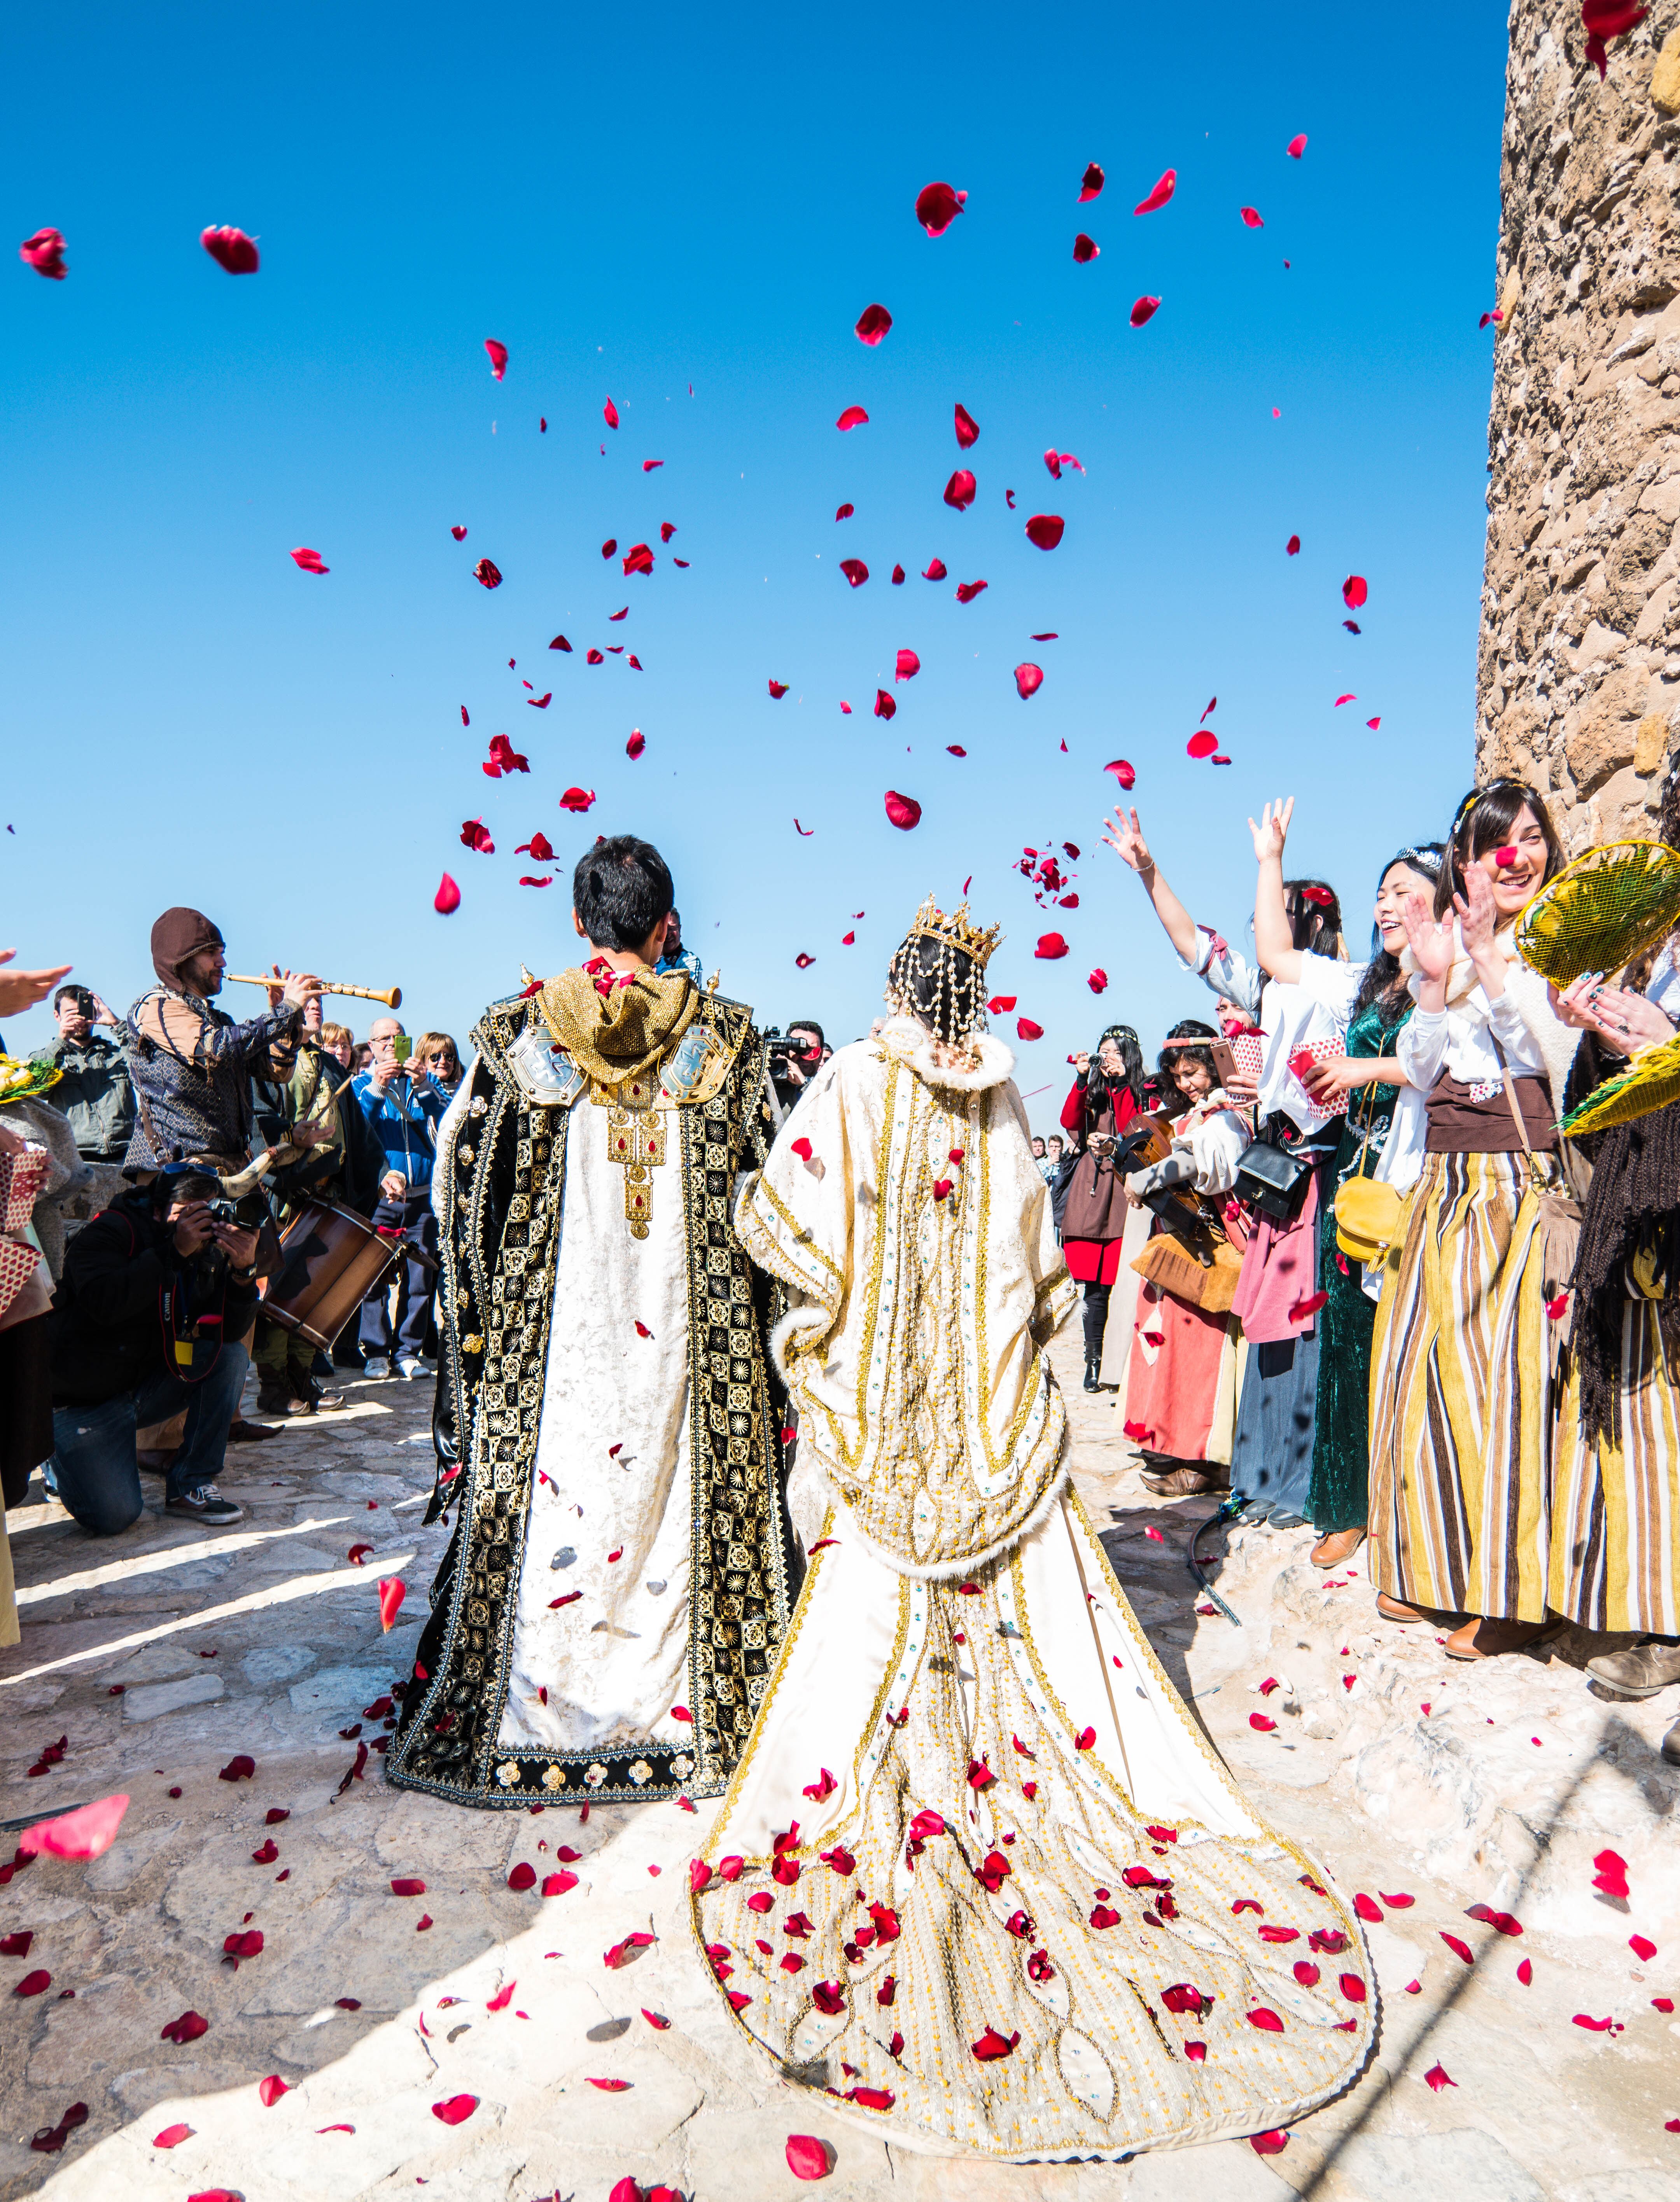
pixel 1316 1007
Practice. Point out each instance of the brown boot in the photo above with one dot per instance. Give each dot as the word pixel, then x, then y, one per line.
pixel 1485 1637
pixel 1335 1546
pixel 1396 1608
pixel 1187 1482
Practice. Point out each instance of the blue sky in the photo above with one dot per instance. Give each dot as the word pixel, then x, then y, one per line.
pixel 638 204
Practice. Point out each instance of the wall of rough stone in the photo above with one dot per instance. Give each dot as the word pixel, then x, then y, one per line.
pixel 1579 677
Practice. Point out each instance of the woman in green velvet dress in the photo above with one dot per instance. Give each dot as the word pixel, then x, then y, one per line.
pixel 1370 1078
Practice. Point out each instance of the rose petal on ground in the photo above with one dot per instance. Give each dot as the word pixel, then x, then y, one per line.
pixel 872 324
pixel 937 206
pixel 1144 309
pixel 853 417
pixel 1459 1947
pixel 391 1593
pixel 1261 1722
pixel 1268 2144
pixel 455 2110
pixel 1643 1949
pixel 807 2157
pixel 1592 2025
pixel 1044 529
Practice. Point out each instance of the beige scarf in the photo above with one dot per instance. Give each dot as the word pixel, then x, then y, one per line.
pixel 623 1031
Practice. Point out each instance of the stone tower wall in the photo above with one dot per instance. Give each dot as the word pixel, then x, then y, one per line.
pixel 1579 676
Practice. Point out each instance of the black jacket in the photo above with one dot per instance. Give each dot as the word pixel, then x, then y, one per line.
pixel 109 1330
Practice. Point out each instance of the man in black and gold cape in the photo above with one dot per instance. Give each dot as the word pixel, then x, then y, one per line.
pixel 616 1587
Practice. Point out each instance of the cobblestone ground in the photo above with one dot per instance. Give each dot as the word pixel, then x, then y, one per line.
pixel 162 1656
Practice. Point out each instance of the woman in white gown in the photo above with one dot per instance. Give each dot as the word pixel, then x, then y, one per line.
pixel 979 1875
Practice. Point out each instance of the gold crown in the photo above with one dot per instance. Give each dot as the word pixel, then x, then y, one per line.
pixel 959 929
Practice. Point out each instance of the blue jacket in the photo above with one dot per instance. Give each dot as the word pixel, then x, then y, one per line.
pixel 404 1119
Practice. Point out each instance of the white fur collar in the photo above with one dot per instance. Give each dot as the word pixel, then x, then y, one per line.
pixel 912 1044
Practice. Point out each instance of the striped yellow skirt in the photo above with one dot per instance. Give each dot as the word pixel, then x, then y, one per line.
pixel 1461 1397
pixel 1615 1539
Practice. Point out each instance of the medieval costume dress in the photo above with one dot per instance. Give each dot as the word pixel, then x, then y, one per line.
pixel 615 1591
pixel 1186 1372
pixel 1462 1376
pixel 1099 1230
pixel 979 1874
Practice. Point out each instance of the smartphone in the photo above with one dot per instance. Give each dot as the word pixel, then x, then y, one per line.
pixel 402 1048
pixel 1225 1068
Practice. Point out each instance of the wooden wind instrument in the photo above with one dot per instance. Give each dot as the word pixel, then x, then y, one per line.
pixel 391 996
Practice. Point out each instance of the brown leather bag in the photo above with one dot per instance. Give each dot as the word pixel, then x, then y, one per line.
pixel 1097 1196
pixel 1172 1265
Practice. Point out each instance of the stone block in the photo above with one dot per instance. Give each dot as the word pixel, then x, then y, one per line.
pixel 1468 2164
pixel 1666 76
pixel 1650 743
pixel 154 1697
pixel 336 1688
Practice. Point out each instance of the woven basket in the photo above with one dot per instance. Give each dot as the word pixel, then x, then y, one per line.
pixel 1601 911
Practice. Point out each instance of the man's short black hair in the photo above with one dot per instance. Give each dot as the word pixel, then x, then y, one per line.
pixel 807 1025
pixel 82 996
pixel 621 892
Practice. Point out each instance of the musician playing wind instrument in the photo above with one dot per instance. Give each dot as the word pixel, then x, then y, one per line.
pixel 604 1622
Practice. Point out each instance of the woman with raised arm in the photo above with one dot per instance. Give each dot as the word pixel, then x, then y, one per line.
pixel 1299 993
pixel 980 1884
pixel 1462 1384
pixel 1370 1077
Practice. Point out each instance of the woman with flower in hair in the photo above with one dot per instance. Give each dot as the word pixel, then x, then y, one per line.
pixel 981 1882
pixel 1462 1389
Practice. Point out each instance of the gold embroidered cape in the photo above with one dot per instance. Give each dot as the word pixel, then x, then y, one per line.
pixel 500 1182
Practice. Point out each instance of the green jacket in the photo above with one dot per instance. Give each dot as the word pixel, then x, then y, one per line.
pixel 96 1092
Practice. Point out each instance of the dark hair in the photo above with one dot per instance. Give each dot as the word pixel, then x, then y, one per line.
pixel 941 983
pixel 82 996
pixel 622 890
pixel 1483 821
pixel 1174 1102
pixel 1315 924
pixel 1100 1087
pixel 1384 980
pixel 807 1024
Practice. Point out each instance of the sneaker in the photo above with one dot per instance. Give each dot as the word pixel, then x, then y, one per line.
pixel 1641 1670
pixel 410 1367
pixel 376 1368
pixel 205 1504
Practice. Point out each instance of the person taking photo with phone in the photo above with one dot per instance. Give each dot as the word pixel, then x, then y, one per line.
pixel 404 1113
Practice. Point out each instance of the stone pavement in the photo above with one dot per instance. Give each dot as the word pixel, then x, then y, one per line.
pixel 162 1656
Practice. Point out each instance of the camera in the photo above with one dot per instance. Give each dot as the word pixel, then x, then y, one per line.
pixel 221 1212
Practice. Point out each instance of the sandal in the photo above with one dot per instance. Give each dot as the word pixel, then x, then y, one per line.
pixel 1337 1546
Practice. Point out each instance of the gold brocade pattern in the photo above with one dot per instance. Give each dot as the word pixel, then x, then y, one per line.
pixel 1044 1907
pixel 500 1218
pixel 637 1137
pixel 623 1033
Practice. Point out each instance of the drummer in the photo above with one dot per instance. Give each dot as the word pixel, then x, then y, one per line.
pixel 342 1162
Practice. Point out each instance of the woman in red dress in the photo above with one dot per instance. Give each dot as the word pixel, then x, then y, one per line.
pixel 1106 1095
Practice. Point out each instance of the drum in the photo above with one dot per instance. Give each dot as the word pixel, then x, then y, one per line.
pixel 331 1259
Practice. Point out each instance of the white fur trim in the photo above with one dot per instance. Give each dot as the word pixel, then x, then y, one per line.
pixel 949 1571
pixel 913 1044
pixel 810 1317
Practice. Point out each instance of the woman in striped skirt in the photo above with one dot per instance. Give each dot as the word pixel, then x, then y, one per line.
pixel 1461 1397
pixel 1616 1538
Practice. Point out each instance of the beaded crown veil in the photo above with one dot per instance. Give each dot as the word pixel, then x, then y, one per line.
pixel 937 973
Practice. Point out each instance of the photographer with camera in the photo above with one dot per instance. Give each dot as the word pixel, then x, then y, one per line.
pixel 155 1293
pixel 795 1058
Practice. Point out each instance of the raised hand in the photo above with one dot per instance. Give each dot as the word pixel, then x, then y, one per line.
pixel 1431 942
pixel 1273 829
pixel 21 990
pixel 1128 842
pixel 1478 912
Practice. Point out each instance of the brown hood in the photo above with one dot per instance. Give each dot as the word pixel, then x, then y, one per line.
pixel 176 938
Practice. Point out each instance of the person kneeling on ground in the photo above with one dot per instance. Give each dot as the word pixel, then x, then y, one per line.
pixel 149 1290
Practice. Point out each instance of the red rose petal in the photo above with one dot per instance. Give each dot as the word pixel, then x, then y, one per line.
pixel 228 247
pixel 488 574
pixel 1201 743
pixel 855 571
pixel 309 561
pixel 959 491
pixel 1044 529
pixel 1251 217
pixel 1162 192
pixel 1097 980
pixel 1459 1947
pixel 1026 1029
pixel 498 357
pixel 872 324
pixel 967 428
pixel 1028 680
pixel 908 666
pixel 903 811
pixel 937 206
pixel 1085 249
pixel 1296 146
pixel 44 253
pixel 885 707
pixel 1267 2021
pixel 456 2110
pixel 1354 592
pixel 853 417
pixel 1268 2144
pixel 807 2157
pixel 935 570
pixel 1642 1949
pixel 1144 310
